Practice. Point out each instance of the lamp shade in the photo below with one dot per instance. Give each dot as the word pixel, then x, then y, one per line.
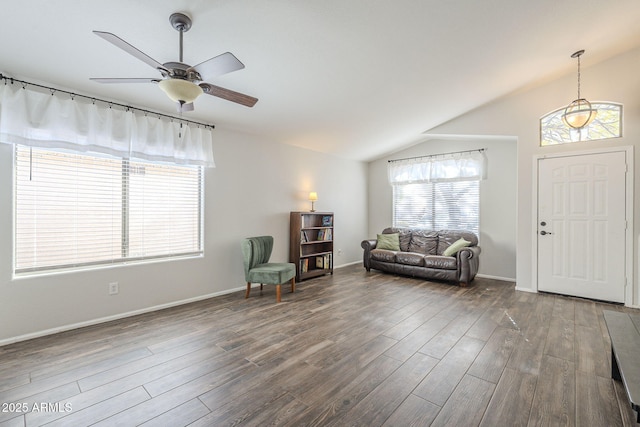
pixel 180 90
pixel 313 196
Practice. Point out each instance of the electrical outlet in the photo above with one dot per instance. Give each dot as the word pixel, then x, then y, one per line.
pixel 113 288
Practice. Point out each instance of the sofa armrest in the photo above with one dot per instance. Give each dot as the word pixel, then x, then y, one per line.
pixel 368 246
pixel 468 263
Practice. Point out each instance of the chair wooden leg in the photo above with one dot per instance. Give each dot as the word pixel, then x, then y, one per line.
pixel 278 294
pixel 293 284
pixel 246 295
pixel 261 285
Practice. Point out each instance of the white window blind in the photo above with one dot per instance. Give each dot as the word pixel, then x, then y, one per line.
pixel 439 191
pixel 438 205
pixel 77 210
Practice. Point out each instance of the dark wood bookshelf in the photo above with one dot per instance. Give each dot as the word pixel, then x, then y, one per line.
pixel 311 243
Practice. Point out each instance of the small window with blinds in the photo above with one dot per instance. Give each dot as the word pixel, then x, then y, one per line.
pixel 437 205
pixel 77 210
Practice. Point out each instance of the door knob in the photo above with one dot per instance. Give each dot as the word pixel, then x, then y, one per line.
pixel 543 223
pixel 544 233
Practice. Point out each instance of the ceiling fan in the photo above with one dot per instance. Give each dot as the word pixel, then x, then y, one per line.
pixel 182 82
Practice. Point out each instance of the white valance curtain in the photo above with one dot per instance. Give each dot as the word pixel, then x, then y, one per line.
pixel 461 166
pixel 56 120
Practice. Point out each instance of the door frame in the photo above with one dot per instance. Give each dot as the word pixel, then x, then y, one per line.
pixel 629 253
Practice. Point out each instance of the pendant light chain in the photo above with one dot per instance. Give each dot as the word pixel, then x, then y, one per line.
pixel 579 76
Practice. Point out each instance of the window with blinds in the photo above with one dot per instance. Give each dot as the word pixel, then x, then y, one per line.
pixel 74 210
pixel 438 205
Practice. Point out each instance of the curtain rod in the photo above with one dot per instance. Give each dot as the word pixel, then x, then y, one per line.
pixel 93 98
pixel 436 155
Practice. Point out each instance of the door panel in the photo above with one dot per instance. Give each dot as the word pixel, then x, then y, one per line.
pixel 581 225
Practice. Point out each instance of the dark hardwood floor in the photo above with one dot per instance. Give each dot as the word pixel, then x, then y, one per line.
pixel 354 348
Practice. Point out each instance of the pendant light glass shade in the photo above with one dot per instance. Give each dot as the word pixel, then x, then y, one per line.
pixel 179 90
pixel 579 113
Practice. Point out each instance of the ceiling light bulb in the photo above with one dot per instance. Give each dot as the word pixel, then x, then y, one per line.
pixel 179 90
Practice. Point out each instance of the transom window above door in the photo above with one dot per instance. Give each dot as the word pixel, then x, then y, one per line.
pixel 607 124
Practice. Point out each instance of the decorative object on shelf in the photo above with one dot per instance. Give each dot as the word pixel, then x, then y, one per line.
pixel 579 113
pixel 311 243
pixel 313 197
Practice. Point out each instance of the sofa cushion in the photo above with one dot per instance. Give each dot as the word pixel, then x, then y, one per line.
pixel 410 258
pixel 448 237
pixel 383 255
pixel 455 247
pixel 404 234
pixel 442 262
pixel 424 242
pixel 389 241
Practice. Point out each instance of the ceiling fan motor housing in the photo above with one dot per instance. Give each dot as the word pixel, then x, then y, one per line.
pixel 179 70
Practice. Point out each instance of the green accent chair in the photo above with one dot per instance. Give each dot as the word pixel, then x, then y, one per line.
pixel 258 269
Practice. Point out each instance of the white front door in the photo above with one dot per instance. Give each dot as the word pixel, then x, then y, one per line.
pixel 581 225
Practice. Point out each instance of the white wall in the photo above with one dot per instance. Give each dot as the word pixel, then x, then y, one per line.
pixel 497 198
pixel 250 192
pixel 616 80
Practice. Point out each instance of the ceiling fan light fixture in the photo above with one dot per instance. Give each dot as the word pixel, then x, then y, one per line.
pixel 579 113
pixel 182 91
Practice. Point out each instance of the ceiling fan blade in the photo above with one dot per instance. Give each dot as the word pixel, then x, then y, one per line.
pixel 125 80
pixel 229 95
pixel 117 41
pixel 218 65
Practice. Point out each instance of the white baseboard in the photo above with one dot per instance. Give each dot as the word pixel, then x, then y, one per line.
pixel 114 317
pixel 347 264
pixel 504 279
pixel 532 291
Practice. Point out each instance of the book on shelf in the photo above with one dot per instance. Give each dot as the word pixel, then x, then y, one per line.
pixel 323 262
pixel 304 265
pixel 321 234
pixel 327 220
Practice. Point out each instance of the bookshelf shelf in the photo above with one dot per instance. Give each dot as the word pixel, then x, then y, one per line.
pixel 311 243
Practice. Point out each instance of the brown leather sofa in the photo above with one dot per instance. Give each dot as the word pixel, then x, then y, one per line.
pixel 421 255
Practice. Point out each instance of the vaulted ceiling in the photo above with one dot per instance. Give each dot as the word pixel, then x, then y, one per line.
pixel 356 78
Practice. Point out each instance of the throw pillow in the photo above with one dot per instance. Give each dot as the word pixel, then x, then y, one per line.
pixel 389 241
pixel 455 247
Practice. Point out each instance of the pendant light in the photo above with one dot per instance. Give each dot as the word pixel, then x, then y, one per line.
pixel 579 113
